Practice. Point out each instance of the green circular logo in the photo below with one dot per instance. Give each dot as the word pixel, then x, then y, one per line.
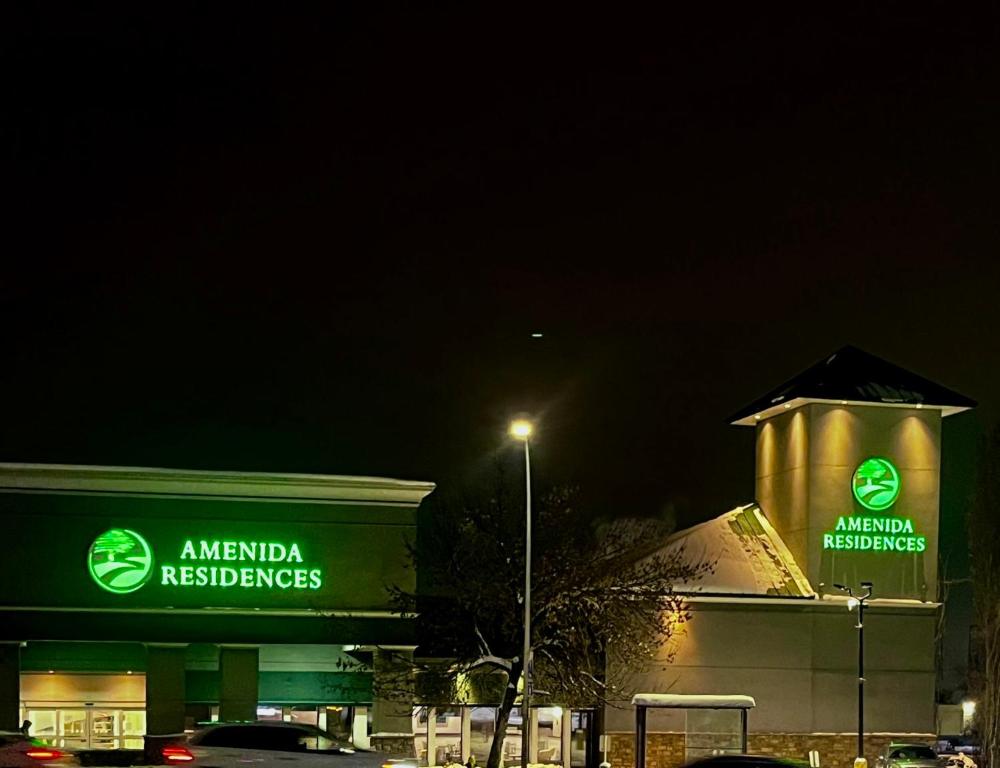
pixel 876 484
pixel 120 561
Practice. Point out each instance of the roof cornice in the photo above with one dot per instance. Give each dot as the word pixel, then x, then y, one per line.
pixel 190 482
pixel 784 407
pixel 851 376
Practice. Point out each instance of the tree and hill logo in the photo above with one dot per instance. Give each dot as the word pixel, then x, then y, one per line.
pixel 120 561
pixel 876 484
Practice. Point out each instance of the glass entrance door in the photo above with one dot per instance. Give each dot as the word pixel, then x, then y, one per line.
pixel 72 727
pixel 133 728
pixel 89 728
pixel 104 728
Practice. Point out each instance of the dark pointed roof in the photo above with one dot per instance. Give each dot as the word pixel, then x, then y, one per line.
pixel 852 376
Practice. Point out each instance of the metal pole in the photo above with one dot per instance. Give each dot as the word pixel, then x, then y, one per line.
pixel 743 731
pixel 526 656
pixel 861 677
pixel 640 736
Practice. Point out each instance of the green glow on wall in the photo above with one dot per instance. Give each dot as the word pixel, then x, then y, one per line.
pixel 876 484
pixel 120 561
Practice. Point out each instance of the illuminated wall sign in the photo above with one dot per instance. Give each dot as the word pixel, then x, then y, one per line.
pixel 875 485
pixel 121 561
pixel 878 534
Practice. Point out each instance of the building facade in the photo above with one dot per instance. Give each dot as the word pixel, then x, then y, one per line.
pixel 143 601
pixel 848 465
pixel 140 602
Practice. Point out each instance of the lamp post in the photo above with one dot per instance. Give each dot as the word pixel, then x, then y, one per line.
pixel 859 603
pixel 521 430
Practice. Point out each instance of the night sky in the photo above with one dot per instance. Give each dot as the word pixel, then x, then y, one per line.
pixel 281 239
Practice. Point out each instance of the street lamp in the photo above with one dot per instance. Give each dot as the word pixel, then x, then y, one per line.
pixel 859 603
pixel 521 430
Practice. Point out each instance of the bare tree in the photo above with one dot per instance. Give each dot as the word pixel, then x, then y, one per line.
pixel 984 554
pixel 602 606
pixel 945 584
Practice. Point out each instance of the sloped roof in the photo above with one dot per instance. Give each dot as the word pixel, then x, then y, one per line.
pixel 749 557
pixel 852 376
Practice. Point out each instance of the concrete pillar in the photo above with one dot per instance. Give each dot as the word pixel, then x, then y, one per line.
pixel 10 686
pixel 359 728
pixel 164 689
pixel 238 682
pixel 466 733
pixel 431 736
pixel 533 735
pixel 392 710
pixel 566 737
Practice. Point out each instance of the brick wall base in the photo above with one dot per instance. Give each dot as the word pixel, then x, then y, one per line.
pixel 398 744
pixel 836 750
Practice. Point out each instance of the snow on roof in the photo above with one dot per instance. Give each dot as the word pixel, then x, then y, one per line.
pixel 748 555
pixel 693 701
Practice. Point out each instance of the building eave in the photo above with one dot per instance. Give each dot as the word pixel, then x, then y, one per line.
pixel 781 407
pixel 195 483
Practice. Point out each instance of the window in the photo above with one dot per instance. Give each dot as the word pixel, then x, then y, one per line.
pixel 914 753
pixel 549 734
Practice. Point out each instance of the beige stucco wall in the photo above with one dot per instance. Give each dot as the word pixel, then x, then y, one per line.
pixel 60 689
pixel 805 461
pixel 799 660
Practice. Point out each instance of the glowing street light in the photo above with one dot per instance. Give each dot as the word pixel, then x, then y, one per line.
pixel 521 429
pixel 859 603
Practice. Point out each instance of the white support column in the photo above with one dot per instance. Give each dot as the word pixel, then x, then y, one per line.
pixel 359 728
pixel 431 736
pixel 533 746
pixel 466 733
pixel 566 741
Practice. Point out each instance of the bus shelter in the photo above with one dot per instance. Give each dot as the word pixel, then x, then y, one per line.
pixel 713 724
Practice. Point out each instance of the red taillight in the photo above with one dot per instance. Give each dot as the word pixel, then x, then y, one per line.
pixel 44 753
pixel 174 755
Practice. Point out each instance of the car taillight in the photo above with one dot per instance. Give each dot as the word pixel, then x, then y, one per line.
pixel 44 753
pixel 175 755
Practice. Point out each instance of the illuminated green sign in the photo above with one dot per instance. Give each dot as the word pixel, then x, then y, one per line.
pixel 876 484
pixel 120 561
pixel 876 534
pixel 273 565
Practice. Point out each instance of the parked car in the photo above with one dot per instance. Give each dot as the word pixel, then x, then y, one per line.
pixel 288 745
pixel 745 761
pixel 20 751
pixel 908 756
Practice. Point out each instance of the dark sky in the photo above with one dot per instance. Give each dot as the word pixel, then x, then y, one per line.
pixel 273 238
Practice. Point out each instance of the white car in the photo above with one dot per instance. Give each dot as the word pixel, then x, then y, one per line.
pixel 20 751
pixel 959 760
pixel 270 743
